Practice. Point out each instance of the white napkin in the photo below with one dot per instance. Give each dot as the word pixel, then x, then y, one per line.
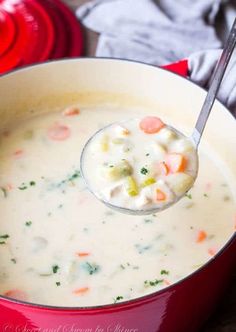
pixel 166 31
pixel 201 66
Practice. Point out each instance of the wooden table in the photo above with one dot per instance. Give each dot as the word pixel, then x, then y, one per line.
pixel 224 318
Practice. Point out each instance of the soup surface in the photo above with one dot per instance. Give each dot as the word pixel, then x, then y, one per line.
pixel 60 246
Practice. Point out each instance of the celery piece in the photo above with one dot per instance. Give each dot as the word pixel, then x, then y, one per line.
pixel 104 143
pixel 148 182
pixel 132 188
pixel 119 171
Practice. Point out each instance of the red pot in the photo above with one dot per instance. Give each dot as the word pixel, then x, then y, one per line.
pixel 181 307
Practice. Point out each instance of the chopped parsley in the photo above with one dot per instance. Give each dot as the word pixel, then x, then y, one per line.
pixel 189 196
pixel 5 236
pixel 127 264
pixel 205 195
pixel 69 180
pixel 28 223
pixel 4 191
pixel 55 268
pixel 144 171
pixel 118 298
pixel 91 268
pixel 13 260
pixel 147 154
pixel 164 272
pixel 148 221
pixel 22 187
pixel 74 176
pixel 142 248
pixel 58 283
pixel 155 282
pixel 25 186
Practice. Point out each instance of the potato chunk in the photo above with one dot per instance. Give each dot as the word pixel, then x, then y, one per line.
pixel 179 182
pixel 118 171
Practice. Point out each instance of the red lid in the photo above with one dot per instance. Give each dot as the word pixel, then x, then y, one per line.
pixel 42 34
pixel 73 29
pixel 33 31
pixel 7 31
pixel 35 34
pixel 61 42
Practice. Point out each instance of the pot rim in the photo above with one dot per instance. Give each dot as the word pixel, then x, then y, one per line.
pixel 144 298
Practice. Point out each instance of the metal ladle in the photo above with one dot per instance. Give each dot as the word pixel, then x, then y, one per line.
pixel 198 129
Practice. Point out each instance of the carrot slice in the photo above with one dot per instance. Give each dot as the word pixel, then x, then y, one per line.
pixel 160 195
pixel 59 132
pixel 176 162
pixel 81 291
pixel 202 235
pixel 82 254
pixel 163 168
pixel 18 153
pixel 71 111
pixel 16 294
pixel 151 124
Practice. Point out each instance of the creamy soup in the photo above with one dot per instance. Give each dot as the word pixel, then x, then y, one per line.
pixel 142 165
pixel 60 246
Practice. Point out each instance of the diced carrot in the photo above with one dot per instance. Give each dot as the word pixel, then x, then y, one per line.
pixel 212 251
pixel 58 132
pixel 202 235
pixel 166 282
pixel 16 294
pixel 81 291
pixel 176 162
pixel 163 168
pixel 18 153
pixel 71 111
pixel 82 254
pixel 160 195
pixel 9 187
pixel 151 124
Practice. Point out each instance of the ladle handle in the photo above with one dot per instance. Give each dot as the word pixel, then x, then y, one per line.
pixel 214 85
